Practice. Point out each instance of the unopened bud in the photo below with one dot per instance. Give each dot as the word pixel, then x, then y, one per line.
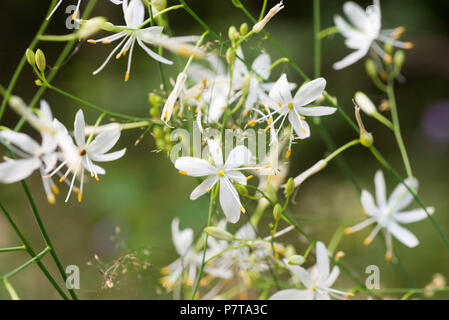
pixel 40 60
pixel 371 68
pixel 243 28
pixel 107 26
pixel 233 34
pixel 296 260
pixel 30 56
pixel 271 192
pixel 90 27
pixel 154 99
pixel 241 189
pixel 219 233
pixel 277 212
pixel 230 56
pixel 261 24
pixel 365 103
pixel 154 111
pixel 159 5
pixel 245 84
pixel 320 165
pixel 290 187
pixel 366 138
pixel 398 59
pixel 38 82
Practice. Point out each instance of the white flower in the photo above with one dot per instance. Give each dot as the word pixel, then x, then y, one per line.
pixel 94 151
pixel 218 86
pixel 280 100
pixel 388 214
pixel 252 80
pixel 189 260
pixel 134 14
pixel 364 33
pixel 225 173
pixel 318 280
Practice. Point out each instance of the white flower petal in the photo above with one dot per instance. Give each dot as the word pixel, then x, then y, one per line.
pixel 301 127
pixel 228 201
pixel 108 156
pixel 381 192
pixel 402 234
pixel 322 260
pixel 315 111
pixel 153 54
pixel 280 93
pixel 103 142
pixel 215 152
pixel 16 170
pixel 238 157
pixel 203 187
pixel 302 275
pixel 309 92
pixel 368 204
pixel 356 15
pixel 80 128
pixel 236 176
pixel 401 197
pixel 351 58
pixel 21 140
pixel 195 167
pixel 181 239
pixel 412 215
pixel 292 294
pixel 261 65
pixel 135 14
pixel 332 277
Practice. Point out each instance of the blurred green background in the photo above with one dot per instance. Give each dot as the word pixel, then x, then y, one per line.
pixel 143 192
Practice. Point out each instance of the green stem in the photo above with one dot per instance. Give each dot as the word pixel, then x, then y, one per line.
pixel 46 236
pixel 32 253
pixel 21 248
pixel 317 27
pixel 341 149
pixel 150 19
pixel 12 292
pixel 26 264
pixel 396 126
pixel 209 220
pixel 22 62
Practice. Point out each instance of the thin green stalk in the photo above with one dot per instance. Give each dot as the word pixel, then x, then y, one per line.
pixel 46 236
pixel 209 220
pixel 396 126
pixel 22 62
pixel 160 51
pixel 32 253
pixel 341 149
pixel 12 292
pixel 317 42
pixel 21 248
pixel 26 264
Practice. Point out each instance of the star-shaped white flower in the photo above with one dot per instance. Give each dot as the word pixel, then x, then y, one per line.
pixel 134 14
pixel 318 280
pixel 282 104
pixel 364 33
pixel 388 214
pixel 90 152
pixel 225 173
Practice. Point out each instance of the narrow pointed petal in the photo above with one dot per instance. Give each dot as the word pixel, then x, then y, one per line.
pixel 315 111
pixel 309 92
pixel 302 275
pixel 203 187
pixel 280 93
pixel 238 157
pixel 80 128
pixel 261 65
pixel 181 239
pixel 237 177
pixel 215 152
pixel 15 170
pixel 402 234
pixel 322 260
pixel 412 215
pixel 21 140
pixel 301 127
pixel 381 192
pixel 368 204
pixel 104 142
pixel 108 156
pixel 401 197
pixel 351 58
pixel 292 294
pixel 229 203
pixel 195 167
pixel 332 277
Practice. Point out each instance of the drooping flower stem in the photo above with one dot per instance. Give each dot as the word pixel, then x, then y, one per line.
pixel 396 125
pixel 46 236
pixel 213 195
pixel 32 253
pixel 22 62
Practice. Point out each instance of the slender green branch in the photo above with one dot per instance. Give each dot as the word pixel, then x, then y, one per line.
pixel 26 264
pixel 317 42
pixel 12 292
pixel 21 248
pixel 341 149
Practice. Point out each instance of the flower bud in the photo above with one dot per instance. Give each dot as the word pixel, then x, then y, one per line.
pixel 38 82
pixel 241 189
pixel 159 5
pixel 30 56
pixel 90 27
pixel 290 187
pixel 219 233
pixel 365 103
pixel 230 56
pixel 320 165
pixel 371 68
pixel 270 191
pixel 277 212
pixel 107 26
pixel 40 60
pixel 243 28
pixel 261 24
pixel 296 260
pixel 157 132
pixel 246 82
pixel 398 59
pixel 366 139
pixel 233 34
pixel 154 99
pixel 154 111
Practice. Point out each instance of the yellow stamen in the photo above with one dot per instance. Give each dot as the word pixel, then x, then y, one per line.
pixel 242 209
pixel 62 178
pixel 267 166
pixel 224 107
pixel 126 76
pixel 279 104
pixel 164 270
pixel 55 189
pixel 180 114
pixel 118 55
pixel 397 32
pixel 249 177
pixel 80 197
pixel 124 52
pixel 208 190
pixel 252 123
pixel 75 14
pixel 348 230
pixel 349 294
pixel 96 178
pixel 388 58
pixel 339 254
pixel 408 45
pixel 51 198
pixel 92 41
pixel 267 128
pixel 303 130
pixel 367 241
pixel 302 118
pixel 288 153
pixel 105 42
pixel 388 256
pixel 182 172
pixel 189 282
